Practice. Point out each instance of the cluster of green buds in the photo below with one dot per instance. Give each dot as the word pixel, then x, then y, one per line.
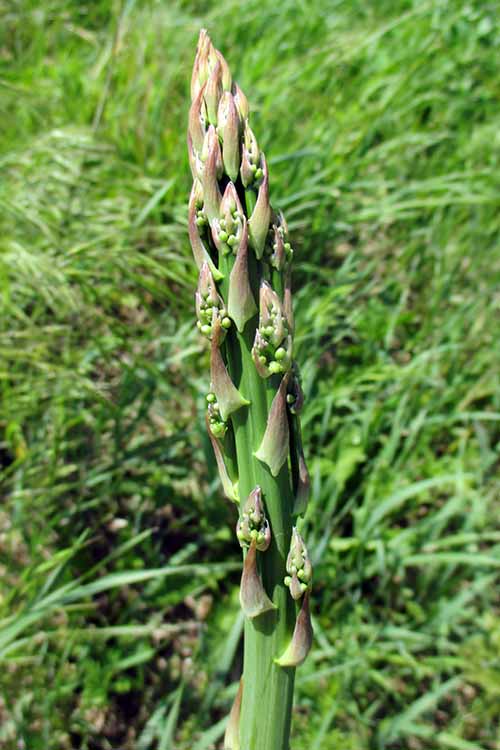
pixel 252 161
pixel 299 581
pixel 253 525
pixel 279 250
pixel 229 225
pixel 209 304
pixel 216 424
pixel 272 347
pixel 298 567
pixel 254 533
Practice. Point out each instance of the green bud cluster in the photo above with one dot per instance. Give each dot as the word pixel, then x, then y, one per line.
pixel 272 347
pixel 278 251
pixel 209 304
pixel 228 227
pixel 216 424
pixel 253 525
pixel 251 163
pixel 200 216
pixel 298 567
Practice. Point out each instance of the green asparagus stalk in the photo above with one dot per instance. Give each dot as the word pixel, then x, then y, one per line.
pixel 244 309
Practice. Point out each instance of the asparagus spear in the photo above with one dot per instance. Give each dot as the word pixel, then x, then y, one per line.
pixel 243 306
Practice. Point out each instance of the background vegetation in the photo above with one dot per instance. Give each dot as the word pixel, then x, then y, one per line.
pixel 119 619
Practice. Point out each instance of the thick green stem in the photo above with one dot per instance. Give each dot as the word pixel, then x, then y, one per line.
pixel 265 683
pixel 266 637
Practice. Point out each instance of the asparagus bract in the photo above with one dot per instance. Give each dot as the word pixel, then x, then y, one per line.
pixel 243 306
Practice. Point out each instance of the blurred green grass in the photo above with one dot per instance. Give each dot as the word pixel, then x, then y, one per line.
pixel 119 620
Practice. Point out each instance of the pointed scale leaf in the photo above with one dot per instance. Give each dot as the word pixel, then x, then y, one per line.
pixel 302 488
pixel 300 475
pixel 226 77
pixel 275 447
pixel 241 303
pixel 201 254
pixel 229 129
pixel 195 162
pixel 213 93
pixel 295 392
pixel 232 734
pixel 230 488
pixel 295 587
pixel 228 396
pixel 287 300
pixel 253 598
pixel 200 69
pixel 241 101
pixel 196 127
pixel 211 192
pixel 300 645
pixel 258 223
